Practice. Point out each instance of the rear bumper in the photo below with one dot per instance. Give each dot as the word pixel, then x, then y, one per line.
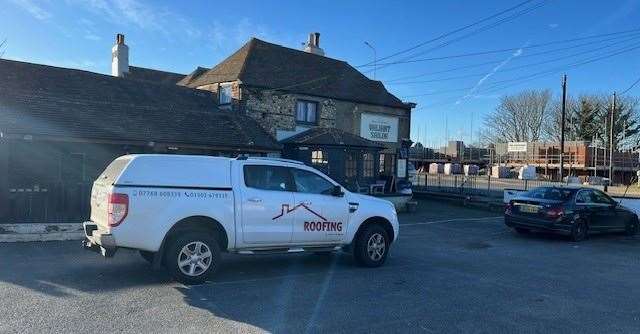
pixel 98 241
pixel 537 224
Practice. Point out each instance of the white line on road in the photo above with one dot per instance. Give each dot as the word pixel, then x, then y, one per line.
pixel 452 220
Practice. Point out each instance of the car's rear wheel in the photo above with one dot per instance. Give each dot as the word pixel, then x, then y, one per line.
pixel 147 256
pixel 193 257
pixel 632 227
pixel 521 230
pixel 579 231
pixel 371 246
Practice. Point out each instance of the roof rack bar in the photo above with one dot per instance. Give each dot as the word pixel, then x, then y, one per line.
pixel 271 159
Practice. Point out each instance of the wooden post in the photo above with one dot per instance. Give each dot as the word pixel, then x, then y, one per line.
pixel 4 181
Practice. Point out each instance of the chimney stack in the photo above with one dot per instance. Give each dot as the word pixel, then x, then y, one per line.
pixel 313 45
pixel 119 57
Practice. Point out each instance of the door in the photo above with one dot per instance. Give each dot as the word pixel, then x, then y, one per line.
pixel 266 198
pixel 607 215
pixel 319 216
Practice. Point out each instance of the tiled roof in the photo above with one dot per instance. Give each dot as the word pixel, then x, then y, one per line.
pixel 192 76
pixel 262 64
pixel 147 74
pixel 330 136
pixel 58 102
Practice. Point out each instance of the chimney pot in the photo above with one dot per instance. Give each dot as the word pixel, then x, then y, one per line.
pixel 313 45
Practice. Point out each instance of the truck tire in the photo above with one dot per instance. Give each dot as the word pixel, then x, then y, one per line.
pixel 632 227
pixel 192 257
pixel 147 256
pixel 371 246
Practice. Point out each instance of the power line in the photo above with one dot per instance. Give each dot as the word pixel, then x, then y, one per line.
pixel 535 54
pixel 632 85
pixel 495 86
pixel 517 67
pixel 447 34
pixel 481 53
pixel 479 30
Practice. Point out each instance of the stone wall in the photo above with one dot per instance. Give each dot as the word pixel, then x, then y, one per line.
pixel 277 111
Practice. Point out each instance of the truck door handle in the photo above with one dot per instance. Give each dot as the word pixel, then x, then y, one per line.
pixel 255 200
pixel 306 202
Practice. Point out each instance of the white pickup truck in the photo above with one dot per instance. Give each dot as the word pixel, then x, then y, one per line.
pixel 182 211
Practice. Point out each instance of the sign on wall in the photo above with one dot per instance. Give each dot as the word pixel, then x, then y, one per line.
pixel 517 146
pixel 379 128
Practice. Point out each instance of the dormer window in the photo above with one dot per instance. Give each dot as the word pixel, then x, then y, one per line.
pixel 224 93
pixel 307 112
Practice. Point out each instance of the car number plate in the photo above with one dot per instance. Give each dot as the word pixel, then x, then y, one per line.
pixel 528 208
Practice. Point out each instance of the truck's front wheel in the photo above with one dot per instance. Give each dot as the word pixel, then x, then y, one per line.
pixel 193 257
pixel 371 246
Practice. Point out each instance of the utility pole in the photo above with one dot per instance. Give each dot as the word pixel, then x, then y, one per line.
pixel 612 125
pixel 375 59
pixel 564 102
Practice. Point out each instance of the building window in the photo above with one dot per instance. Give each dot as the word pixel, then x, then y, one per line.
pixel 319 158
pixel 381 164
pixel 367 164
pixel 307 112
pixel 224 93
pixel 351 169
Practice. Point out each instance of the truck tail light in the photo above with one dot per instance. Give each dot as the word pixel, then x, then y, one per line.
pixel 118 208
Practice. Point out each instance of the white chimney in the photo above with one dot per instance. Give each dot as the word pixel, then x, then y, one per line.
pixel 119 57
pixel 313 45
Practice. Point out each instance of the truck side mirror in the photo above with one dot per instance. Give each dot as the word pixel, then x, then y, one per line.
pixel 337 191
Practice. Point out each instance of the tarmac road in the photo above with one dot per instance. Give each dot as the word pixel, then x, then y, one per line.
pixel 452 270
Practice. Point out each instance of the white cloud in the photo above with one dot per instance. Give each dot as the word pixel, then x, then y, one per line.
pixel 553 25
pixel 34 9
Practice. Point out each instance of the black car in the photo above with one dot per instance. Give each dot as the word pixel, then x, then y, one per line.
pixel 572 211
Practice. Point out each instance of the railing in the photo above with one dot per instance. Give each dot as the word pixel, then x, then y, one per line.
pixel 475 185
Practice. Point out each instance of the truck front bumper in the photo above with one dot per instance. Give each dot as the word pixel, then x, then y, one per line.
pixel 98 241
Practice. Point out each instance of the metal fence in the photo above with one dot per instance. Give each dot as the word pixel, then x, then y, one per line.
pixel 53 202
pixel 476 185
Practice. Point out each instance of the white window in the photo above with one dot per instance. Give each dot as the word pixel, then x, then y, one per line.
pixel 319 158
pixel 224 92
pixel 307 112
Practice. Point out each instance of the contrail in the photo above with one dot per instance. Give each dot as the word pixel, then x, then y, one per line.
pixel 516 54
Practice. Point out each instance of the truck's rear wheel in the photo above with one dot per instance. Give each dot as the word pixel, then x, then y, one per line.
pixel 371 246
pixel 193 257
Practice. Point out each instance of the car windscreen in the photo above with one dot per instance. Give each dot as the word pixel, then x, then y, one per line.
pixel 555 194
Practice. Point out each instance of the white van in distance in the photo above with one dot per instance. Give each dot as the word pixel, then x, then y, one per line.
pixel 182 211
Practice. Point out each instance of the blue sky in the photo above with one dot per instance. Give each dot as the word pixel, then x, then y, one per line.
pixel 178 37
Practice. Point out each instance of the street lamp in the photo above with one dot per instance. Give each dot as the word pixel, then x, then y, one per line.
pixel 375 58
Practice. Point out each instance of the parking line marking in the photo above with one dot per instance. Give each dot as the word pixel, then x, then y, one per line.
pixel 451 221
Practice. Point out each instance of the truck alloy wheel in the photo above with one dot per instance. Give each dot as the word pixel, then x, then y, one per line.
pixel 376 247
pixel 371 246
pixel 193 257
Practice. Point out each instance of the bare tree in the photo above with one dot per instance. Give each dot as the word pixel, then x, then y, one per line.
pixel 520 117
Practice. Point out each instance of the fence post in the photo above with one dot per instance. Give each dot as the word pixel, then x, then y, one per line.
pixel 488 184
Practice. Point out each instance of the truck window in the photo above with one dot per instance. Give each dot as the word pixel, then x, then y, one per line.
pixel 311 183
pixel 267 177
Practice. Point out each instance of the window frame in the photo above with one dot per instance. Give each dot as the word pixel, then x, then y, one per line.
pixel 306 112
pixel 220 95
pixel 347 168
pixel 289 185
pixel 371 167
pixel 295 185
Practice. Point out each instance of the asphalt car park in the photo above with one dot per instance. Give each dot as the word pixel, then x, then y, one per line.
pixel 453 269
